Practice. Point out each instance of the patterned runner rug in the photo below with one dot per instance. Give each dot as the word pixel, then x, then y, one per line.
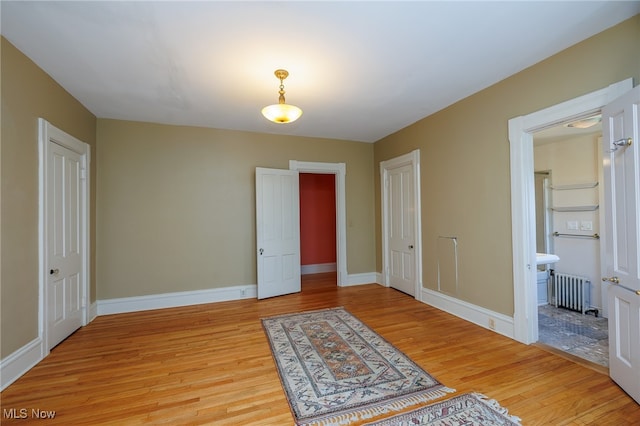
pixel 469 409
pixel 334 369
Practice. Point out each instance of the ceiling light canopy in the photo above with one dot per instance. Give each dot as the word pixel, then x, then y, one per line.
pixel 585 123
pixel 281 112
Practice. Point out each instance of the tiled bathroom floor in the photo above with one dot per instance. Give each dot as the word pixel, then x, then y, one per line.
pixel 584 336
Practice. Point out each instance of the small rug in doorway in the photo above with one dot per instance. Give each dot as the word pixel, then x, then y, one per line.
pixel 334 369
pixel 468 409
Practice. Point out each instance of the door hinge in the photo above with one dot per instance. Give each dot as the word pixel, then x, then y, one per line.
pixel 83 173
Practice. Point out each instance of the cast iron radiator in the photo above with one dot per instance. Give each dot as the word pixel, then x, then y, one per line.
pixel 573 292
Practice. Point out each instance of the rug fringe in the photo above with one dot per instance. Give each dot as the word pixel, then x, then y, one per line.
pixel 368 413
pixel 497 407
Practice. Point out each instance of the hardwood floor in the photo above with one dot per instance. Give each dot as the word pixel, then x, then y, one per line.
pixel 211 364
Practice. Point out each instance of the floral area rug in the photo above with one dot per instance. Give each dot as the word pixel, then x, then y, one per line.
pixel 469 409
pixel 334 369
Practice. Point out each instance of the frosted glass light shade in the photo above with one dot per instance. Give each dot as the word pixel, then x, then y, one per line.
pixel 281 113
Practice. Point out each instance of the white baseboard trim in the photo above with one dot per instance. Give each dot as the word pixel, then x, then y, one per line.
pixel 359 279
pixel 318 268
pixel 380 279
pixel 93 311
pixel 172 300
pixel 502 324
pixel 19 362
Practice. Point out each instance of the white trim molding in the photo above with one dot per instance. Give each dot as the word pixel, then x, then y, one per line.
pixel 93 311
pixel 318 268
pixel 173 300
pixel 360 279
pixel 500 323
pixel 340 171
pixel 19 362
pixel 523 236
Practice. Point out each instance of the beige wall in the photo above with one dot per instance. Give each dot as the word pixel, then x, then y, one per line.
pixel 465 178
pixel 27 94
pixel 176 205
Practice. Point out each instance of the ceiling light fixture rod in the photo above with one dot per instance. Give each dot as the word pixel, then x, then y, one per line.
pixel 281 112
pixel 281 74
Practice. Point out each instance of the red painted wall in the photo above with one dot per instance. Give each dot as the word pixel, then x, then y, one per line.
pixel 317 218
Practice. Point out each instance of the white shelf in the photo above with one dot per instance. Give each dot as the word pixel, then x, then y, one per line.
pixel 589 208
pixel 587 185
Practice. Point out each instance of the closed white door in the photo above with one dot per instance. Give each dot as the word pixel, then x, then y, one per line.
pixel 401 230
pixel 277 232
pixel 621 165
pixel 63 292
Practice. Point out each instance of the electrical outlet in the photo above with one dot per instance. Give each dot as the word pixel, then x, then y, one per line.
pixel 492 324
pixel 586 225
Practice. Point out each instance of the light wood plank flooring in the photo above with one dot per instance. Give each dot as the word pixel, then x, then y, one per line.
pixel 211 364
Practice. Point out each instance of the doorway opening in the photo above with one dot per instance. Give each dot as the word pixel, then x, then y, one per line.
pixel 567 173
pixel 317 223
pixel 338 170
pixel 521 130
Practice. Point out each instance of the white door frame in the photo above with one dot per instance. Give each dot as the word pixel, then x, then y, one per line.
pixel 46 133
pixel 340 171
pixel 521 129
pixel 412 159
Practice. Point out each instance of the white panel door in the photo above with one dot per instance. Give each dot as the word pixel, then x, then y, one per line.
pixel 624 335
pixel 621 165
pixel 64 286
pixel 401 229
pixel 277 232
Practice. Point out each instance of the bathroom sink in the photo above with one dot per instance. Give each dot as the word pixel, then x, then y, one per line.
pixel 546 258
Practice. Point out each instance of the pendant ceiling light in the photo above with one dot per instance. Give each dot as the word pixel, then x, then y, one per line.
pixel 281 112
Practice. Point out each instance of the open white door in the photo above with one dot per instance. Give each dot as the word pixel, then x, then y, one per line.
pixel 621 164
pixel 277 232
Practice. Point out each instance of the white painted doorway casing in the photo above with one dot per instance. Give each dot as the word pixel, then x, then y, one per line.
pixel 401 225
pixel 277 232
pixel 63 234
pixel 521 129
pixel 621 170
pixel 339 170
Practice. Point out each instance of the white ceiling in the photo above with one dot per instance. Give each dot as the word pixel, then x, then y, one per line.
pixel 359 70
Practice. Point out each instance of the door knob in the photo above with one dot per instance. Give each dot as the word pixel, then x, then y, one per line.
pixel 614 280
pixel 411 246
pixel 54 271
pixel 261 251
